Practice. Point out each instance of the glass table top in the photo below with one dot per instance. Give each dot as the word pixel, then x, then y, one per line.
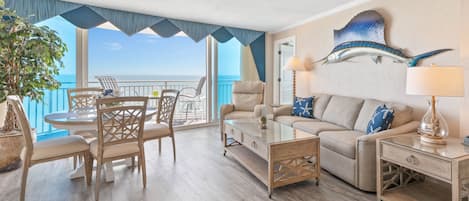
pixel 275 132
pixel 81 117
pixel 453 148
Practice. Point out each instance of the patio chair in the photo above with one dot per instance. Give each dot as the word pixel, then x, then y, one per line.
pixel 109 82
pixel 191 95
pixel 247 99
pixel 45 151
pixel 120 133
pixel 163 126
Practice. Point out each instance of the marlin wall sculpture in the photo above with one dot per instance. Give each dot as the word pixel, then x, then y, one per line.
pixel 364 36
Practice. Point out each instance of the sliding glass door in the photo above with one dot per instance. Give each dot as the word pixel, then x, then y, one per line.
pixel 145 64
pixel 229 62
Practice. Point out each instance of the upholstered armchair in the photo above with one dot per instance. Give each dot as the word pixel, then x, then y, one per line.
pixel 247 99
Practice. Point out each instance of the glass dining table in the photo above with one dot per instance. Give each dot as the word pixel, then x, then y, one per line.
pixel 85 120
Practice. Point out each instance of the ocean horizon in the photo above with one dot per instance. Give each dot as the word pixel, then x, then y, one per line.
pixel 70 78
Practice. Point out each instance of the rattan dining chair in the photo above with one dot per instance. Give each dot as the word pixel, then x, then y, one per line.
pixel 80 99
pixel 163 126
pixel 120 133
pixel 45 151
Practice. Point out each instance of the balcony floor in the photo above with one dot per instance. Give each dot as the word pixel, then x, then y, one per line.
pixel 200 173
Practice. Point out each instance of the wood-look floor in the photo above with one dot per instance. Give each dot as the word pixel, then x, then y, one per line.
pixel 201 172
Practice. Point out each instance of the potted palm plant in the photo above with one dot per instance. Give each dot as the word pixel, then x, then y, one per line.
pixel 30 58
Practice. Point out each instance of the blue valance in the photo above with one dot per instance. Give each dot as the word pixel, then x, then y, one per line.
pixel 86 17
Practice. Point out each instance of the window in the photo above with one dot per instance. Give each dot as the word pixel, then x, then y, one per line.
pixel 145 63
pixel 229 61
pixel 55 100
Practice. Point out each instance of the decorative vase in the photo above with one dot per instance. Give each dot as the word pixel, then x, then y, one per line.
pixel 263 122
pixel 433 125
pixel 11 145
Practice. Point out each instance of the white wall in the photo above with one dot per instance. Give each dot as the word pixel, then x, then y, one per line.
pixel 417 26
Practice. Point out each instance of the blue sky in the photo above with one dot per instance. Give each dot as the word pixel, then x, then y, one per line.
pixel 67 32
pixel 113 52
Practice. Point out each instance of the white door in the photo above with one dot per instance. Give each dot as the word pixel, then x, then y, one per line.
pixel 283 87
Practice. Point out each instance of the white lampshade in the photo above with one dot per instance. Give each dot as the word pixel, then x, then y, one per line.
pixel 295 64
pixel 435 81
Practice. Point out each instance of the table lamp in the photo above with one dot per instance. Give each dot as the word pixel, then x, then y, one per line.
pixel 295 64
pixel 435 81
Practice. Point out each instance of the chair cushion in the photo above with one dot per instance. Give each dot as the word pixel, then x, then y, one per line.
pixel 342 142
pixel 343 111
pixel 303 107
pixel 59 147
pixel 316 127
pixel 247 94
pixel 320 104
pixel 289 120
pixel 116 150
pixel 381 120
pixel 153 130
pixel 239 115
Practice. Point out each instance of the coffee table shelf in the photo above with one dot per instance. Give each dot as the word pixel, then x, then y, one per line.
pixel 428 191
pixel 252 162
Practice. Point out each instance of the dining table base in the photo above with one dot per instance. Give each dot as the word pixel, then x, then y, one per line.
pixel 108 170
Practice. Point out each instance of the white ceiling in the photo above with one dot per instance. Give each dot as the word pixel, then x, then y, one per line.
pixel 261 15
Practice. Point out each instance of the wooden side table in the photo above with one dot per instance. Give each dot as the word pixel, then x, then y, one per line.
pixel 405 166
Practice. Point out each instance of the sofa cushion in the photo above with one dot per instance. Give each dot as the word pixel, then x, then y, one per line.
pixel 402 114
pixel 342 142
pixel 247 94
pixel 343 111
pixel 316 127
pixel 239 115
pixel 320 102
pixel 289 120
pixel 381 120
pixel 366 113
pixel 303 107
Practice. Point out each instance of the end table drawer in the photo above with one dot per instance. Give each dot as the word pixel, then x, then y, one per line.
pixel 418 161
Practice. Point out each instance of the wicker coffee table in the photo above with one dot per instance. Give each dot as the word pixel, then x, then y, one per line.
pixel 277 156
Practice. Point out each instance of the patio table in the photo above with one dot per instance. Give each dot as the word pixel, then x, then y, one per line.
pixel 80 121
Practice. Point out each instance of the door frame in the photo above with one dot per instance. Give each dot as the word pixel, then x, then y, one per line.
pixel 276 69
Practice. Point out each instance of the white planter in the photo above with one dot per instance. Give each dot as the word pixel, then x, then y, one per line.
pixel 3 112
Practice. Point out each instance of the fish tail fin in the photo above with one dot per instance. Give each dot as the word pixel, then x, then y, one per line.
pixel 415 60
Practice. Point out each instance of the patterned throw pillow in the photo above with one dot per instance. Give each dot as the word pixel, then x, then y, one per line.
pixel 303 107
pixel 381 120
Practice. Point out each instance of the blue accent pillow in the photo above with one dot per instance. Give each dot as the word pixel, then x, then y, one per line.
pixel 381 120
pixel 303 107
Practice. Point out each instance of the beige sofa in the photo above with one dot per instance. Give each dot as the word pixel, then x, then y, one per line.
pixel 247 98
pixel 340 122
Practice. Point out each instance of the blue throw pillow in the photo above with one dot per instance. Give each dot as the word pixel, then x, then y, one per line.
pixel 381 120
pixel 303 107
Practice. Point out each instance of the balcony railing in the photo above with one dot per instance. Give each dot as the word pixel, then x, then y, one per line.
pixel 188 111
